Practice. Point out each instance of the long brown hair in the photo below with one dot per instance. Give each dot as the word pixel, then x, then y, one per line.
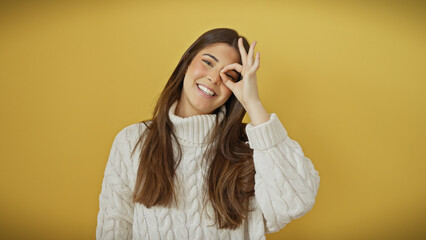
pixel 230 179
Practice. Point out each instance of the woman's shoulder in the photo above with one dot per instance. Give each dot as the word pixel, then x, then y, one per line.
pixel 133 131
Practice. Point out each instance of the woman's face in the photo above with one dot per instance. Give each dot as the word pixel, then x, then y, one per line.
pixel 203 90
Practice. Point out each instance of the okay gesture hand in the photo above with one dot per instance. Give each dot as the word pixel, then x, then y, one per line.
pixel 244 90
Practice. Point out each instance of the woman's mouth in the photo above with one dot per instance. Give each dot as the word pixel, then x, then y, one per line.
pixel 205 90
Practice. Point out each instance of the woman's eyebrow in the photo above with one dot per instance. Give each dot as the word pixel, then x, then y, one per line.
pixel 211 56
pixel 207 54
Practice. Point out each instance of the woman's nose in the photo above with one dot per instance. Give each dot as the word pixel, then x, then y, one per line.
pixel 214 77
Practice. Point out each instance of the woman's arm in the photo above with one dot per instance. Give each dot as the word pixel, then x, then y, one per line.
pixel 115 217
pixel 286 182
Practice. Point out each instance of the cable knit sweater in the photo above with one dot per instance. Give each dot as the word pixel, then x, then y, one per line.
pixel 286 184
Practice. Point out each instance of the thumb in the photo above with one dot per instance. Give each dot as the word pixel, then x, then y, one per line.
pixel 230 84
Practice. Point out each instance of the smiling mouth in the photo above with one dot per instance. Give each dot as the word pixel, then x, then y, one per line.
pixel 206 90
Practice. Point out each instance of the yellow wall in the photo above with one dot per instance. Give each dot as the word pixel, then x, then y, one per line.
pixel 347 80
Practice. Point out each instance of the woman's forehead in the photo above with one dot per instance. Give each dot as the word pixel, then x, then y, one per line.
pixel 220 51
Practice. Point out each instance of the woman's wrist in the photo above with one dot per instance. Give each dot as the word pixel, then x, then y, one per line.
pixel 257 113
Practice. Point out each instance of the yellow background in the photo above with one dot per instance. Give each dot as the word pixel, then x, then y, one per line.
pixel 347 80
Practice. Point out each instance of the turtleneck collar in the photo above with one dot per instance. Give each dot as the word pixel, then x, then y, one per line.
pixel 194 129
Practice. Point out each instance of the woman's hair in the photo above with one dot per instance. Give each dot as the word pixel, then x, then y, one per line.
pixel 230 178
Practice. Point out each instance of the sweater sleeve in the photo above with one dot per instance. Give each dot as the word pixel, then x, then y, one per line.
pixel 286 182
pixel 115 216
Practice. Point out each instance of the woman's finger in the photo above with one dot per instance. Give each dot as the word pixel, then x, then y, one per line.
pixel 256 63
pixel 243 52
pixel 250 54
pixel 235 66
pixel 230 84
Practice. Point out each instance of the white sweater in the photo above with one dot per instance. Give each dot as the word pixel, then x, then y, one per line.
pixel 286 184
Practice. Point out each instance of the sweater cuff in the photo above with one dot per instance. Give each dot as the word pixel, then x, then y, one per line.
pixel 267 134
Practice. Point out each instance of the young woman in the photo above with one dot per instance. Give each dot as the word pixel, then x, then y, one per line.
pixel 199 172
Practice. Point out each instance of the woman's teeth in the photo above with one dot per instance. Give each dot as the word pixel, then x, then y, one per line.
pixel 205 90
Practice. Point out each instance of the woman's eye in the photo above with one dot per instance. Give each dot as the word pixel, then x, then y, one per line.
pixel 208 63
pixel 230 77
